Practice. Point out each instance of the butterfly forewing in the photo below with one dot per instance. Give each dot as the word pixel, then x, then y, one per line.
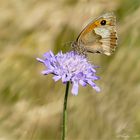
pixel 99 36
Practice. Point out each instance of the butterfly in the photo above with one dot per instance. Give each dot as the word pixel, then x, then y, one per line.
pixel 99 36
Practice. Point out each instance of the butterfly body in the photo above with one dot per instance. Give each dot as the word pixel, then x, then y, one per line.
pixel 99 36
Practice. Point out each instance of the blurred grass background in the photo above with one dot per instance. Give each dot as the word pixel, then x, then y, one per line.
pixel 31 104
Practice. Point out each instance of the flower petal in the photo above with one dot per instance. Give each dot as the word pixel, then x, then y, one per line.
pixel 75 88
pixel 97 88
pixel 82 83
pixel 56 78
pixel 40 60
pixel 46 72
pixel 94 86
pixel 48 55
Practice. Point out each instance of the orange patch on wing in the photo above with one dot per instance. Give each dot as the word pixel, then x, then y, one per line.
pixel 90 27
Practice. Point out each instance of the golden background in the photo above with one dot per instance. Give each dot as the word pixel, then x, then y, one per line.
pixel 31 104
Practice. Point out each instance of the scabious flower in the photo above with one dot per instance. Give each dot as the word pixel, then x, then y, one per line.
pixel 71 67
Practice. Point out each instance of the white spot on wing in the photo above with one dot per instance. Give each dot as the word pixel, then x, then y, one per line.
pixel 102 32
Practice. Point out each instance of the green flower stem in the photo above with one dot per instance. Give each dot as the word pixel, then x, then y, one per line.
pixel 65 112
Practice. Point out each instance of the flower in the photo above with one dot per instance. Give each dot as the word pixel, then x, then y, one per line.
pixel 71 67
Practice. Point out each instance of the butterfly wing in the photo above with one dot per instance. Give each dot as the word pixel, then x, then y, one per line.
pixel 100 35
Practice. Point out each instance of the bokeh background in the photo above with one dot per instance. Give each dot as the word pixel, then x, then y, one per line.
pixel 31 104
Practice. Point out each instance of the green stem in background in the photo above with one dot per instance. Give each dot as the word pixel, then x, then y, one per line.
pixel 65 112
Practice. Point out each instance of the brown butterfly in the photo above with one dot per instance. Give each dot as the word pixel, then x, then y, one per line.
pixel 99 36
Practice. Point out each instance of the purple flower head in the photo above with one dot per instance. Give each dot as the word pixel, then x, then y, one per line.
pixel 70 67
